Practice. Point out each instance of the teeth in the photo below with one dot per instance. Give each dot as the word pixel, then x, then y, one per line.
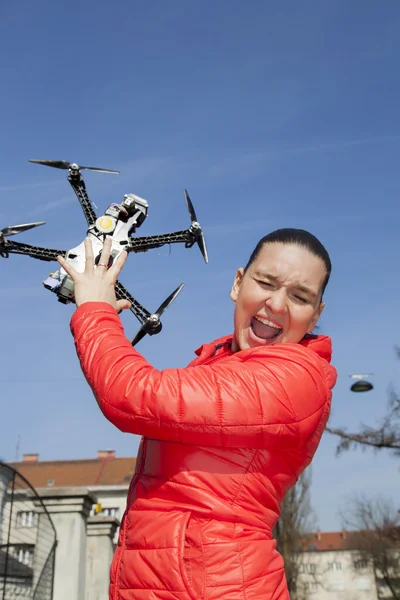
pixel 267 322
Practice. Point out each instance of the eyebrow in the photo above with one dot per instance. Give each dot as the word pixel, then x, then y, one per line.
pixel 299 287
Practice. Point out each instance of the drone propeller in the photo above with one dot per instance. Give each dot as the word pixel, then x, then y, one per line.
pixel 153 325
pixel 63 164
pixel 196 227
pixel 14 229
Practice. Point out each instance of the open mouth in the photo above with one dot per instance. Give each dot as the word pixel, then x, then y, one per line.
pixel 264 330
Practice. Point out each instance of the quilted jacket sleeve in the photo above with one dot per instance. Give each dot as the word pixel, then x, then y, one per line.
pixel 264 397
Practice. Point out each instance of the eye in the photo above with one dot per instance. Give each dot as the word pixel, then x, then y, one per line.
pixel 302 299
pixel 264 283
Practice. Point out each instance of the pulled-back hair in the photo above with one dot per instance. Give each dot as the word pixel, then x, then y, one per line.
pixel 298 237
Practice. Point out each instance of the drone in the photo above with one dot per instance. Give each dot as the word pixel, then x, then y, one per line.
pixel 120 222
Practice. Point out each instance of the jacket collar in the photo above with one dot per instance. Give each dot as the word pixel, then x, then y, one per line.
pixel 209 349
pixel 321 344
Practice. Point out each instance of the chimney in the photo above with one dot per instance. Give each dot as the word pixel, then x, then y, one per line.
pixel 319 536
pixel 31 458
pixel 101 454
pixel 344 534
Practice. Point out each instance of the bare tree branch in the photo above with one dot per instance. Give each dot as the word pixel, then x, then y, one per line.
pixel 376 538
pixel 385 435
pixel 365 438
pixel 291 531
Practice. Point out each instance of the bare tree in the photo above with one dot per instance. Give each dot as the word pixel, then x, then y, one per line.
pixel 386 434
pixel 376 539
pixel 294 523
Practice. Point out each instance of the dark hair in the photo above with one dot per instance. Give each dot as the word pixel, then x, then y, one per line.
pixel 301 238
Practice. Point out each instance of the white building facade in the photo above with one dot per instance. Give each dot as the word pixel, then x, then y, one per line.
pixel 336 575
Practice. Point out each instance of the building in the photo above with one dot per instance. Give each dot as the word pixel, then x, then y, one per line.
pixel 105 477
pixel 331 570
pixel 86 500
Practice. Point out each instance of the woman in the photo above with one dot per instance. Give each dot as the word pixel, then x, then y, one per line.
pixel 223 439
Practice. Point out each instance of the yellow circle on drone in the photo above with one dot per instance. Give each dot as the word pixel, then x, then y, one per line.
pixel 105 224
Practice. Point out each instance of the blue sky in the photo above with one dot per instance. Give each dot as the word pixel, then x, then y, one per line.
pixel 271 115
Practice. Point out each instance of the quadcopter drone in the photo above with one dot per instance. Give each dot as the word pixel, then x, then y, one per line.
pixel 120 222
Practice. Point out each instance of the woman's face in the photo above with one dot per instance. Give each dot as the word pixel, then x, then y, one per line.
pixel 278 299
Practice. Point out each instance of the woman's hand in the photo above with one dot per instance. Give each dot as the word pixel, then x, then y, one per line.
pixel 97 284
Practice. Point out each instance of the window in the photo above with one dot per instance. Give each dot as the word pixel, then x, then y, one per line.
pixel 307 568
pixel 26 518
pixel 361 564
pixel 24 554
pixel 337 586
pixel 310 586
pixel 110 512
pixel 335 566
pixel 363 585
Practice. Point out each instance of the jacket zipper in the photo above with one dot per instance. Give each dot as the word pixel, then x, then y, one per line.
pixel 134 481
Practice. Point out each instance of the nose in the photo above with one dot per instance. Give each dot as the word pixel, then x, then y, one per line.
pixel 276 302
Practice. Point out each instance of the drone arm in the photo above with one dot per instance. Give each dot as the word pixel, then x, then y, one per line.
pixel 142 244
pixel 46 254
pixel 78 185
pixel 136 308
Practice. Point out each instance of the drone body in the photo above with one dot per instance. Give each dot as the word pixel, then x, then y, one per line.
pixel 119 222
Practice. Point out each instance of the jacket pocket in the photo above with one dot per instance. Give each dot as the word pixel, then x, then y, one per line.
pixel 193 567
pixel 153 553
pixel 191 564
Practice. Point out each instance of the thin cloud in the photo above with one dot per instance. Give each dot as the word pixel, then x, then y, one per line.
pixel 250 162
pixel 341 144
pixel 233 228
pixel 53 204
pixel 37 211
pixel 16 187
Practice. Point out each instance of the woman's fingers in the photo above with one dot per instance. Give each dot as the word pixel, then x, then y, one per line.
pixel 105 256
pixel 123 305
pixel 68 268
pixel 110 274
pixel 89 263
pixel 117 266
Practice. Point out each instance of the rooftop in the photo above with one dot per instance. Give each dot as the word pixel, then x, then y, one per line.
pixel 329 540
pixel 104 470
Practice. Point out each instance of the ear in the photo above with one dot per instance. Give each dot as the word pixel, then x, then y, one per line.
pixel 236 284
pixel 316 317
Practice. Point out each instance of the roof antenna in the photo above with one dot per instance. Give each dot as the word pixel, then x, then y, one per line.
pixel 17 447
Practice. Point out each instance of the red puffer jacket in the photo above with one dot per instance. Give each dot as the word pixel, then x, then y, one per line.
pixel 223 440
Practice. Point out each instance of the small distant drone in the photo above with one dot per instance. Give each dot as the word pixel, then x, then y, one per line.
pixel 119 221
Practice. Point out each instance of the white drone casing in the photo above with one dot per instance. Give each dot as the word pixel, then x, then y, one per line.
pixel 114 223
